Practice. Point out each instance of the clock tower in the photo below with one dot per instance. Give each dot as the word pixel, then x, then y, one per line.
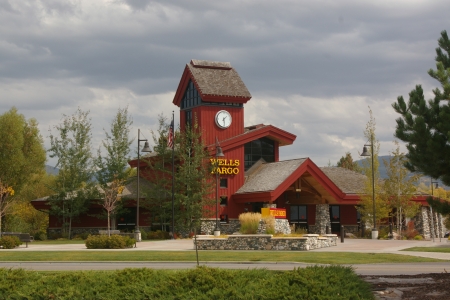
pixel 214 94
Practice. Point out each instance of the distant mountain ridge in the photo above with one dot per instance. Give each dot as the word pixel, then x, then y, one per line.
pixel 51 170
pixel 383 172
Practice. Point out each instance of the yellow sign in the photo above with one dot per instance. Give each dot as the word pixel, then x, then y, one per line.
pixel 225 166
pixel 278 213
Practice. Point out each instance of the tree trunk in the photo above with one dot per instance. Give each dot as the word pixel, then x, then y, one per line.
pixel 109 226
pixel 70 227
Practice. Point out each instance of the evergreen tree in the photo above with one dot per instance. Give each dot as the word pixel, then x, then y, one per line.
pixel 194 179
pixel 158 195
pixel 22 157
pixel 425 126
pixel 348 163
pixel 193 187
pixel 366 205
pixel 400 186
pixel 74 186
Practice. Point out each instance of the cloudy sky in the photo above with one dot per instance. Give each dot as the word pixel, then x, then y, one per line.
pixel 312 67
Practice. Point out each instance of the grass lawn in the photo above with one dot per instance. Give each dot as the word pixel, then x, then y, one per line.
pixel 429 249
pixel 243 256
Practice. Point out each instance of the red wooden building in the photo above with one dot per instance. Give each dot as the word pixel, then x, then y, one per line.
pixel 252 176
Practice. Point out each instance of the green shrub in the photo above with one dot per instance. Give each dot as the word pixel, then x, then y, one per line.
pixel 418 237
pixel 144 235
pixel 105 242
pixel 331 282
pixel 158 235
pixel 10 242
pixel 383 233
pixel 40 236
pixel 116 242
pixel 249 222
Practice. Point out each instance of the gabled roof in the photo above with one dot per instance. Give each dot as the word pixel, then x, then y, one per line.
pixel 272 179
pixel 214 81
pixel 256 132
pixel 349 182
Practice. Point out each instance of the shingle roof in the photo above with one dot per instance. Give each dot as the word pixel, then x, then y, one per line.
pixel 217 79
pixel 350 182
pixel 270 176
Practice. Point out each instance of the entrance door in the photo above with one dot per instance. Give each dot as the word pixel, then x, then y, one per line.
pixel 335 219
pixel 299 216
pixel 126 221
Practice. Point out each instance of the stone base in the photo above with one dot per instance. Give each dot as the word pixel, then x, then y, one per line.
pixel 266 242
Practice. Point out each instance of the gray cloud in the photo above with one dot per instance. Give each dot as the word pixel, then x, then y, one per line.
pixel 316 65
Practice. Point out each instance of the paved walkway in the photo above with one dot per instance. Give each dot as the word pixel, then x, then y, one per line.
pixel 349 245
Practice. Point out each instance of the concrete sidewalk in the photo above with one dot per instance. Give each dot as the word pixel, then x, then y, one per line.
pixel 349 245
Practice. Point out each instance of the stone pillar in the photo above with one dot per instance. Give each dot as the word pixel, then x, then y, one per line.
pixel 322 218
pixel 422 222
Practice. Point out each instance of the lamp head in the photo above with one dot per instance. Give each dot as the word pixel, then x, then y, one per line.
pixel 365 152
pixel 219 152
pixel 146 148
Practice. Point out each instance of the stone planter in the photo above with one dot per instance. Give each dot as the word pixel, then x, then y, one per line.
pixel 266 242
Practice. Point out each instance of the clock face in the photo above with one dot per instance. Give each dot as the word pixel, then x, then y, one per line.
pixel 223 119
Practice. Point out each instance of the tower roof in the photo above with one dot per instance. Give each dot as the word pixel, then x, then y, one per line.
pixel 214 81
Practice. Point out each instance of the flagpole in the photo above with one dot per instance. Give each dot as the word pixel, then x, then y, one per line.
pixel 173 173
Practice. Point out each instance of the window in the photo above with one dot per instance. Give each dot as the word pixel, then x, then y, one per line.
pixel 223 218
pixel 188 115
pixel 192 98
pixel 223 200
pixel 255 150
pixel 223 182
pixel 299 216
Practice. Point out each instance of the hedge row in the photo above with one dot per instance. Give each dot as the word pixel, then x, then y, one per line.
pixel 317 282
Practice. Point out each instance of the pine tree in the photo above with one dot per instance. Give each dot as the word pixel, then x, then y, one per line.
pixel 348 163
pixel 425 126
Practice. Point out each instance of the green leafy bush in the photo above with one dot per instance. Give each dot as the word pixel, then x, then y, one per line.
pixel 158 235
pixel 249 222
pixel 105 242
pixel 144 234
pixel 418 237
pixel 10 242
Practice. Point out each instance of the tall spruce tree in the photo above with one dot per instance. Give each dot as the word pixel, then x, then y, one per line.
pixel 74 185
pixel 158 194
pixel 194 182
pixel 193 187
pixel 425 125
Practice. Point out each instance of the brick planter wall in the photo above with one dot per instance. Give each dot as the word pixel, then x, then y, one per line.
pixel 266 242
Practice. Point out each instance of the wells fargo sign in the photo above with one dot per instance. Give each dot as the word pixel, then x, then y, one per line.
pixel 278 213
pixel 225 166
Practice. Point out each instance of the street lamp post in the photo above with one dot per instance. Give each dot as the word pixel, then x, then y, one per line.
pixel 366 153
pixel 146 148
pixel 219 153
